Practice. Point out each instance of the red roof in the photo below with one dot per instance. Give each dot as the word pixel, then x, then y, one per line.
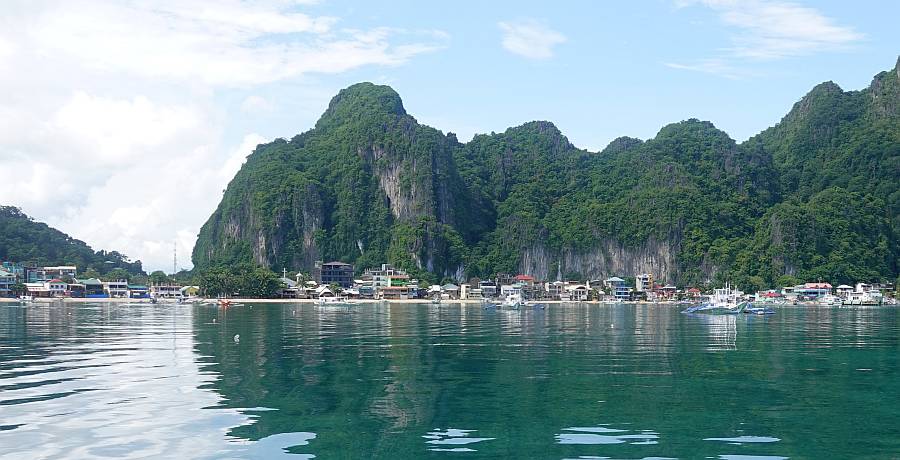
pixel 773 294
pixel 54 280
pixel 524 278
pixel 693 290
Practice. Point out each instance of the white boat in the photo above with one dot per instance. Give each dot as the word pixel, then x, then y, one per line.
pixel 723 301
pixel 26 298
pixel 829 300
pixel 334 301
pixel 513 301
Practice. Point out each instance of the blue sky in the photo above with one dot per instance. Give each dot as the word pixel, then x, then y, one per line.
pixel 612 75
pixel 122 122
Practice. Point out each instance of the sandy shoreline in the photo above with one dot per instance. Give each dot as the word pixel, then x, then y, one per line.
pixel 302 301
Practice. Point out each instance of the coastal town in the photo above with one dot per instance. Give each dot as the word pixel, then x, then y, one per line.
pixel 339 280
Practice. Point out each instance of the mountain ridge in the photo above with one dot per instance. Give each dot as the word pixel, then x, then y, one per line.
pixel 369 184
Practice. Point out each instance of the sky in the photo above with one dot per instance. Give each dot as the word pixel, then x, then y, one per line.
pixel 121 123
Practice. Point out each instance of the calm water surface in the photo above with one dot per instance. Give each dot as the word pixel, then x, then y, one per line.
pixel 446 382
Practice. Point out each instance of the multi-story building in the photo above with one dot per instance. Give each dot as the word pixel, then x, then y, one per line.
pixel 338 273
pixel 118 288
pixel 643 282
pixel 7 280
pixel 165 291
pixel 617 288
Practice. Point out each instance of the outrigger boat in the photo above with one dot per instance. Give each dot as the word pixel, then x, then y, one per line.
pixel 726 301
pixel 332 301
pixel 514 301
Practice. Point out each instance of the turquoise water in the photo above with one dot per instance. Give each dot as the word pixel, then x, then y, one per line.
pixel 446 382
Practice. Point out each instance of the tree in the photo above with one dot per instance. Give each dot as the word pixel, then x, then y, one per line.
pixel 159 277
pixel 117 274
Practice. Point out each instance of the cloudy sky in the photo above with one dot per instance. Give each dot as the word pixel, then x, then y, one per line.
pixel 122 122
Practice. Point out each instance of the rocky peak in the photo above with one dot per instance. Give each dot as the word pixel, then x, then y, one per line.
pixel 360 101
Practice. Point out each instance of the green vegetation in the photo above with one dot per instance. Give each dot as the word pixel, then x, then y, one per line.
pixel 814 197
pixel 242 280
pixel 26 241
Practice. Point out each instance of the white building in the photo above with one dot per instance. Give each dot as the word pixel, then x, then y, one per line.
pixel 117 288
pixel 168 291
pixel 643 282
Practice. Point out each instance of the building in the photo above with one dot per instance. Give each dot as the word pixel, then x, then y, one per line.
pixel 450 291
pixel 643 282
pixel 93 288
pixel 812 290
pixel 42 274
pixel 49 288
pixel 617 288
pixel 577 292
pixel 190 291
pixel 843 291
pixel 394 292
pixel 488 289
pixel 18 270
pixel 165 291
pixel 524 280
pixel 138 291
pixel 7 281
pixel 338 273
pixel 117 288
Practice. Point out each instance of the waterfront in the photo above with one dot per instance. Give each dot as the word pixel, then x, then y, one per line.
pixel 409 381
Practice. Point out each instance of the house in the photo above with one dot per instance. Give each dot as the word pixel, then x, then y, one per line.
pixel 450 291
pixel 42 274
pixel 577 292
pixel 7 281
pixel 75 289
pixel 322 292
pixel 93 288
pixel 190 291
pixel 337 273
pixel 290 289
pixel 138 291
pixel 556 290
pixel 37 289
pixel 117 288
pixel 643 282
pixel 394 293
pixel 843 291
pixel 17 270
pixel 694 293
pixel 524 280
pixel 510 289
pixel 812 290
pixel 617 288
pixel 165 291
pixel 488 289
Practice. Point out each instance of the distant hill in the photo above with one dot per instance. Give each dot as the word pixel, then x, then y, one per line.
pixel 816 196
pixel 24 240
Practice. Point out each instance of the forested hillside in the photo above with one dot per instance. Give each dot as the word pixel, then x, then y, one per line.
pixel 814 197
pixel 26 241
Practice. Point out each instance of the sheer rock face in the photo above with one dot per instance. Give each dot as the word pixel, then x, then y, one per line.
pixel 608 258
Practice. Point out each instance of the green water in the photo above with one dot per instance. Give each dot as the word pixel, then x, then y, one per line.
pixel 446 382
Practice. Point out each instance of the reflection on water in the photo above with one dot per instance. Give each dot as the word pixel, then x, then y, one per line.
pixel 374 381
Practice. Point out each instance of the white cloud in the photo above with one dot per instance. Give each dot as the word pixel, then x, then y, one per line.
pixel 224 43
pixel 767 30
pixel 720 67
pixel 530 38
pixel 256 104
pixel 113 128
